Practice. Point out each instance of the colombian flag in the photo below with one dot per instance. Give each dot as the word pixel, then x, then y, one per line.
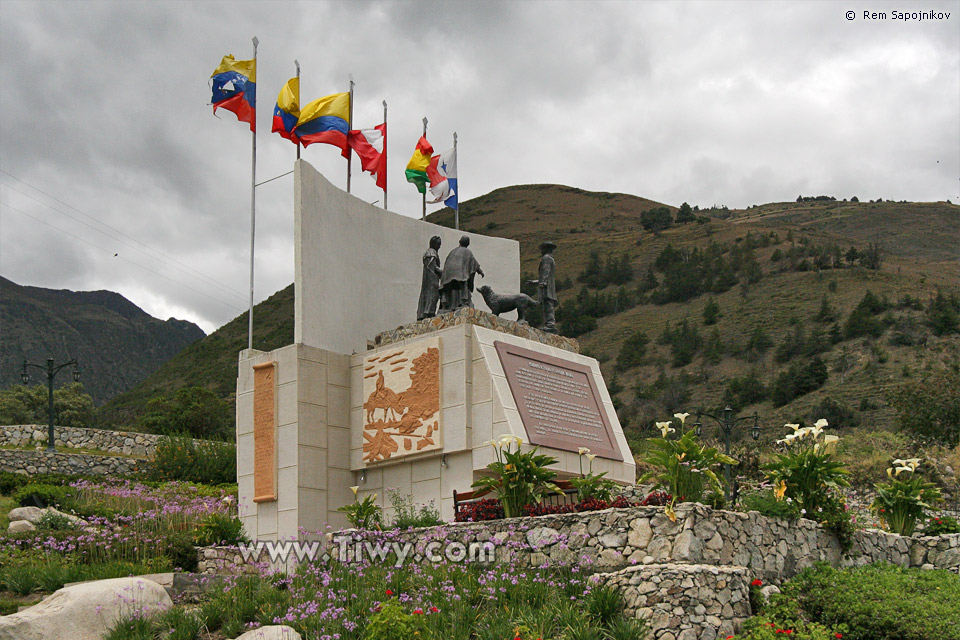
pixel 417 167
pixel 287 111
pixel 325 120
pixel 235 89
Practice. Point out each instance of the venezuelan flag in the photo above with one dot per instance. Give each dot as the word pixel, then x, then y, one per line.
pixel 417 167
pixel 287 111
pixel 325 120
pixel 235 89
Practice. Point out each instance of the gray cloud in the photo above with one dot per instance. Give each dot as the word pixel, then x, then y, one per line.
pixel 104 106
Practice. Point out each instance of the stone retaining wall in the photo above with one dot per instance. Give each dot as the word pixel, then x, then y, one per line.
pixel 685 601
pixel 125 442
pixel 772 549
pixel 689 578
pixel 35 462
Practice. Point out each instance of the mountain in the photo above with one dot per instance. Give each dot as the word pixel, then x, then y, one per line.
pixel 115 342
pixel 211 362
pixel 783 270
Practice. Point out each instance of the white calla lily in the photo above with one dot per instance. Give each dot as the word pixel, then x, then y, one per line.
pixel 821 423
pixel 665 428
pixel 583 450
pixel 682 417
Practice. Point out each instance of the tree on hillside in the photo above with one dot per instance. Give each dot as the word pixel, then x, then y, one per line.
pixel 685 214
pixel 930 408
pixel 711 312
pixel 29 405
pixel 633 350
pixel 943 314
pixel 656 220
pixel 192 410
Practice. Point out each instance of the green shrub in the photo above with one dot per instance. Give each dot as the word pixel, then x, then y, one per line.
pixel 42 495
pixel 745 390
pixel 54 522
pixel 407 515
pixel 180 457
pixel 219 529
pixel 930 408
pixel 393 622
pixel 836 413
pixel 801 378
pixel 30 405
pixel 194 410
pixel 767 504
pixel 181 551
pixel 941 525
pixel 881 601
pixel 863 320
pixel 633 350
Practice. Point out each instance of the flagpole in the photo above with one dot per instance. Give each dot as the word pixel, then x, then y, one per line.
pixel 456 210
pixel 423 196
pixel 253 199
pixel 385 154
pixel 297 62
pixel 349 127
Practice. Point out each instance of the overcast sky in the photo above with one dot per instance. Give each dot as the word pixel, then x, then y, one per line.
pixel 109 145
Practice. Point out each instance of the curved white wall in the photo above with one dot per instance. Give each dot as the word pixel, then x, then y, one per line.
pixel 358 267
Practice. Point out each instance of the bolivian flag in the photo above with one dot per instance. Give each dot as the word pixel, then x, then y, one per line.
pixel 417 167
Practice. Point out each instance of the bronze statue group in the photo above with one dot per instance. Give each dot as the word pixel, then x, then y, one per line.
pixel 451 287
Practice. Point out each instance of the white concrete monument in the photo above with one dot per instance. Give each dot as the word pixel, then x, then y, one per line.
pixel 368 397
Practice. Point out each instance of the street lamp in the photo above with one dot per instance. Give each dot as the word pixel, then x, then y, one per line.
pixel 51 370
pixel 727 423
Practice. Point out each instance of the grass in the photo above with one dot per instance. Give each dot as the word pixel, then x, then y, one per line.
pixel 440 601
pixel 7 504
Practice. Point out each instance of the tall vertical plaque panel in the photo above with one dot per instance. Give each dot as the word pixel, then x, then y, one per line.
pixel 264 432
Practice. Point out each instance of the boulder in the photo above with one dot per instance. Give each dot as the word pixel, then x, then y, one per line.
pixel 21 526
pixel 273 632
pixel 72 519
pixel 85 611
pixel 30 514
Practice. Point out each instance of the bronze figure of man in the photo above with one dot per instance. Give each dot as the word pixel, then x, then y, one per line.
pixel 546 286
pixel 430 282
pixel 456 281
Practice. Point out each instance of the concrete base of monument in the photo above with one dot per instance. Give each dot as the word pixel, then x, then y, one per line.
pixel 414 414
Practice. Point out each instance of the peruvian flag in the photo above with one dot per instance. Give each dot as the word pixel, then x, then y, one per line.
pixel 371 146
pixel 443 177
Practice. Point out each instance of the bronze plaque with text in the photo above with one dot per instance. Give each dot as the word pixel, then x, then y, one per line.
pixel 558 400
pixel 264 432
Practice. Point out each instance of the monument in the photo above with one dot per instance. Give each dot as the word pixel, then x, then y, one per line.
pixel 370 396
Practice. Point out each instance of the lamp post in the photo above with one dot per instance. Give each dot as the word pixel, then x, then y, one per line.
pixel 727 423
pixel 51 370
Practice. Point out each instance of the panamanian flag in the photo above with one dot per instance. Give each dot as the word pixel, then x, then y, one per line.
pixel 443 178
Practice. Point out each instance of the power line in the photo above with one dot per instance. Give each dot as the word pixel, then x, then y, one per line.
pixel 186 270
pixel 136 264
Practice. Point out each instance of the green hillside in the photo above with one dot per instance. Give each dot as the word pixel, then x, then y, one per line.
pixel 769 269
pixel 211 362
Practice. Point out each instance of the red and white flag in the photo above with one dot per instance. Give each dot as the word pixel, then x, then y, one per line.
pixel 371 146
